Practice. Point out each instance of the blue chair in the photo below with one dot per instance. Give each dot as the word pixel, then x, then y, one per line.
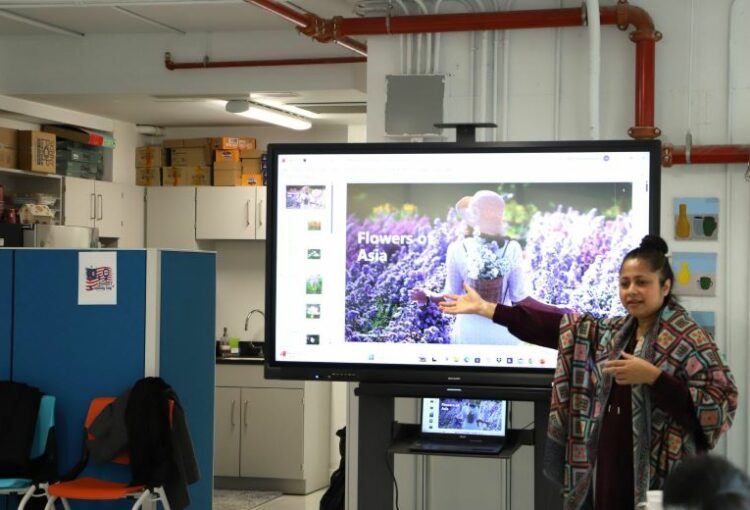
pixel 25 487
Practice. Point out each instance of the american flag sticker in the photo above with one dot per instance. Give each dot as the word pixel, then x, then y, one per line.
pixel 97 278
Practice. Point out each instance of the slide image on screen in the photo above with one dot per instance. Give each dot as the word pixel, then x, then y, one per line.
pixel 557 243
pixel 470 415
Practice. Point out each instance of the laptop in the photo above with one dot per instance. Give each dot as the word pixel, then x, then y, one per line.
pixel 451 425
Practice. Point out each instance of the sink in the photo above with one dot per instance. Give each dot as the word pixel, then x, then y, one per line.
pixel 251 350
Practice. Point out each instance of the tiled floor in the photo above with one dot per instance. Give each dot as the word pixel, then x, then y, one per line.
pixel 309 502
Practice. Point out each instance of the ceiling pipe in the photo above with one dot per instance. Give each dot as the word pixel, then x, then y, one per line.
pixel 704 154
pixel 207 64
pixel 310 25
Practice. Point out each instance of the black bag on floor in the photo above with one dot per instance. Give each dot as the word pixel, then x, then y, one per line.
pixel 333 499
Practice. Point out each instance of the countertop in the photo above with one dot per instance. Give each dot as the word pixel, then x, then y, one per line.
pixel 240 360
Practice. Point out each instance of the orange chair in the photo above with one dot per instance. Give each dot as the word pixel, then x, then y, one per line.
pixel 103 490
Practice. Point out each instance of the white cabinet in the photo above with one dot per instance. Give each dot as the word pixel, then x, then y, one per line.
pixel 224 213
pixel 270 435
pixel 170 217
pixel 91 203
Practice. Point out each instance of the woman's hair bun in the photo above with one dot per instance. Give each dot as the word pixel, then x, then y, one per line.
pixel 654 243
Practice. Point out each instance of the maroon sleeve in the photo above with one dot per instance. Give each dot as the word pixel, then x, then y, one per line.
pixel 531 324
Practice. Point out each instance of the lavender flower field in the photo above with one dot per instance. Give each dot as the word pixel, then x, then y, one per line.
pixel 570 258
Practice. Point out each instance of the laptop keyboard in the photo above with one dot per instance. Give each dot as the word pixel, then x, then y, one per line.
pixel 455 448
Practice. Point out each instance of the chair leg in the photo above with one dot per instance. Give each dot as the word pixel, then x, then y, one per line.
pixel 26 497
pixel 139 502
pixel 163 497
pixel 51 503
pixel 66 506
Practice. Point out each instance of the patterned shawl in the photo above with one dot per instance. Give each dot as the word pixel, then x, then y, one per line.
pixel 678 346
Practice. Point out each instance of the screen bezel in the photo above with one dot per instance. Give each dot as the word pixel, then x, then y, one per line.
pixel 414 373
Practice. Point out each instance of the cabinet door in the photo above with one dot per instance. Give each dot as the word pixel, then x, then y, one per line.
pixel 79 202
pixel 225 213
pixel 260 212
pixel 109 199
pixel 227 432
pixel 272 433
pixel 170 217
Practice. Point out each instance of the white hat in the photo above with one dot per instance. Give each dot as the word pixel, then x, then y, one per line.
pixel 484 211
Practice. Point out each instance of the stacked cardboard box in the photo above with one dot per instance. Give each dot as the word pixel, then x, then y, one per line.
pixel 148 163
pixel 8 148
pixel 229 166
pixel 190 160
pixel 37 151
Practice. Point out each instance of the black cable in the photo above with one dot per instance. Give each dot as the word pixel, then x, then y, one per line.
pixel 393 476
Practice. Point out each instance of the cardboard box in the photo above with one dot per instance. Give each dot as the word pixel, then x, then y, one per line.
pixel 191 156
pixel 174 176
pixel 74 134
pixel 227 155
pixel 152 156
pixel 233 142
pixel 172 143
pixel 36 151
pixel 35 214
pixel 251 153
pixel 8 148
pixel 177 143
pixel 149 176
pixel 198 176
pixel 231 177
pixel 255 179
pixel 251 166
pixel 228 165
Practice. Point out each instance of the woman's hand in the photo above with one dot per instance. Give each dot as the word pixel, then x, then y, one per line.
pixel 471 302
pixel 632 370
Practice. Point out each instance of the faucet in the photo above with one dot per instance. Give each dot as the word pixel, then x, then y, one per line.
pixel 249 315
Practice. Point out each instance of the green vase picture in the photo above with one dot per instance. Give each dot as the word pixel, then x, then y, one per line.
pixel 709 226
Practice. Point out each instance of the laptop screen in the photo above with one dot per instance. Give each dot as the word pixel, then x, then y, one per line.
pixel 474 417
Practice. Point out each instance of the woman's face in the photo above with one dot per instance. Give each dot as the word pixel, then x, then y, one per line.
pixel 640 291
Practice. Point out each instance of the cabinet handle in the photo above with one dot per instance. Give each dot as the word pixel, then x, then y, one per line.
pixel 92 209
pixel 101 207
pixel 231 414
pixel 260 213
pixel 249 211
pixel 244 419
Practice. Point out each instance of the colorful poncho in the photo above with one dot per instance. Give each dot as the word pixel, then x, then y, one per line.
pixel 678 346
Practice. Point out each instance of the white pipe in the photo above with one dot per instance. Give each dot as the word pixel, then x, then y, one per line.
pixel 506 82
pixel 558 82
pixel 40 24
pixel 149 130
pixel 595 64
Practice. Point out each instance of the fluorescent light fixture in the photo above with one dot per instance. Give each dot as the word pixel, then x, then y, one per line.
pixel 260 98
pixel 258 112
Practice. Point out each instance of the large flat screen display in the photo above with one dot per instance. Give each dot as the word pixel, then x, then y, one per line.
pixel 365 239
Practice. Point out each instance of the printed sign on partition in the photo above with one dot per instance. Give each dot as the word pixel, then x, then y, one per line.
pixel 97 278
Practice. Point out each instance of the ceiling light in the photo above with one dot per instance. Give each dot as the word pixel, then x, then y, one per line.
pixel 260 98
pixel 265 114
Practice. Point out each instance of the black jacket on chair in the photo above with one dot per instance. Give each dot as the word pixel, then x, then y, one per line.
pixel 19 407
pixel 160 449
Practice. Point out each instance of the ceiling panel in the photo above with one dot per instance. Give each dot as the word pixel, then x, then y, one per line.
pixel 190 17
pixel 10 27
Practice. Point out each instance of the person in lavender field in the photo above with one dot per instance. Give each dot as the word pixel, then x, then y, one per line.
pixel 632 396
pixel 486 261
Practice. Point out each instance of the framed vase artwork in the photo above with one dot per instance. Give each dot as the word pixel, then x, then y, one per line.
pixel 696 218
pixel 695 274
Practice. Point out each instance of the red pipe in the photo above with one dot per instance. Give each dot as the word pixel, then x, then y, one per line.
pixel 464 22
pixel 311 25
pixel 704 154
pixel 206 64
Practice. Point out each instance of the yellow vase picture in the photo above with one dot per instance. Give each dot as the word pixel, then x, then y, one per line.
pixel 683 275
pixel 682 229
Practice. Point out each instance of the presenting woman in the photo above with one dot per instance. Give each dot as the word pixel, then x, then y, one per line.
pixel 632 395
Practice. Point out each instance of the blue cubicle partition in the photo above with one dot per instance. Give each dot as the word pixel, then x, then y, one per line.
pixel 77 352
pixel 6 313
pixel 188 309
